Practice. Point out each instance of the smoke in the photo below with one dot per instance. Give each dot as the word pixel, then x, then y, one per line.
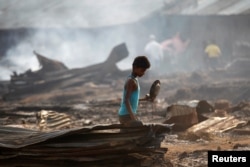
pixel 18 59
pixel 84 33
pixel 59 33
pixel 75 48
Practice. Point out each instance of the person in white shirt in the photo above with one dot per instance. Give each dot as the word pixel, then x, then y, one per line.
pixel 154 52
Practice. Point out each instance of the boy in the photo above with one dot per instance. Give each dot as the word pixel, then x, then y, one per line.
pixel 131 93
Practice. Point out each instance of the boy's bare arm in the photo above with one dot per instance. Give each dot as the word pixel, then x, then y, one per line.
pixel 130 87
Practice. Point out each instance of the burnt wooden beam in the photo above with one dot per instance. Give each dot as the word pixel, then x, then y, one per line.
pixel 54 75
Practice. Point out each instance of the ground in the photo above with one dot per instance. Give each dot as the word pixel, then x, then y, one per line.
pixel 97 103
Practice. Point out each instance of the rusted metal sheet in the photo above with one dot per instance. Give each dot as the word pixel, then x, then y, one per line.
pixel 92 145
pixel 48 120
pixel 36 117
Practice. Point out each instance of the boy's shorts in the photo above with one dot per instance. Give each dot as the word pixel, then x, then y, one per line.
pixel 124 119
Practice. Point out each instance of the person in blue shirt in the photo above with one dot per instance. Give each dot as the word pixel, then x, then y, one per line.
pixel 131 92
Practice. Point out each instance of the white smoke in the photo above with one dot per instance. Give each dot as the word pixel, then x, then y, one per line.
pixel 60 32
pixel 74 49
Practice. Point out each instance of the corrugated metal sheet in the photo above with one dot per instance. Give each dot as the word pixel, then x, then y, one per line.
pixel 99 144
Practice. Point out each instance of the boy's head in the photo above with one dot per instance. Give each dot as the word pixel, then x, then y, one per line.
pixel 140 65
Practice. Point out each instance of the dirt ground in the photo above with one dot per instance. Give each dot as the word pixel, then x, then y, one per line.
pixel 194 153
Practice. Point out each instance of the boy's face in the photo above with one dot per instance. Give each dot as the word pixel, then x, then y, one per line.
pixel 139 71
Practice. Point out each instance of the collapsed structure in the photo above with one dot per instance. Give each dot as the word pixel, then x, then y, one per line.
pixel 54 73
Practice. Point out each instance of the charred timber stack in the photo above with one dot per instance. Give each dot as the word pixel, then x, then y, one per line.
pixel 54 74
pixel 100 145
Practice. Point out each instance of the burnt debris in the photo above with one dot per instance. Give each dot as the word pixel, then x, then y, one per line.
pixel 55 74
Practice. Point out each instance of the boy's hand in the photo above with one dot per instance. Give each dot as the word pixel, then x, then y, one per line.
pixel 146 98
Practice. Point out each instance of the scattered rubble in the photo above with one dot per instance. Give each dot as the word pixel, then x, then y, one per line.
pixel 87 116
pixel 61 104
pixel 182 116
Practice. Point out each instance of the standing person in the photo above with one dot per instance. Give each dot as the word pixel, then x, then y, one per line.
pixel 213 53
pixel 154 51
pixel 131 92
pixel 175 49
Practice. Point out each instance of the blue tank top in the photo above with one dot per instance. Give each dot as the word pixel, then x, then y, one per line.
pixel 134 99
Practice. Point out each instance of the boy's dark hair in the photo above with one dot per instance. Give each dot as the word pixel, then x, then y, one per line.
pixel 141 62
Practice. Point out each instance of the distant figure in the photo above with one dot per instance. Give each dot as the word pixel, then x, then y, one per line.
pixel 213 53
pixel 174 49
pixel 154 52
pixel 131 93
pixel 175 45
